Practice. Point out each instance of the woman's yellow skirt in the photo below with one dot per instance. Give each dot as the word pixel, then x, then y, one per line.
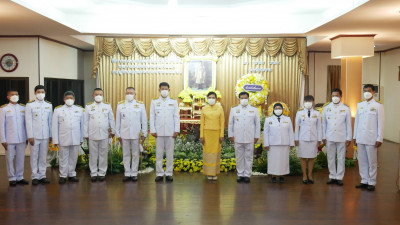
pixel 211 153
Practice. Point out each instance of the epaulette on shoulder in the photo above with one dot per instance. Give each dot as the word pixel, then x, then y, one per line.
pixel 361 101
pixel 155 98
pixel 3 106
pixel 140 102
pixel 21 104
pixel 172 98
pixel 326 104
pixel 89 103
pixel 301 109
pixel 58 107
pixel 235 105
pixel 80 106
pixel 48 102
pixel 31 101
pixel 379 102
pixel 120 102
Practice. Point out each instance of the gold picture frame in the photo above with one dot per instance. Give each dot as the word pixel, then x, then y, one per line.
pixel 200 73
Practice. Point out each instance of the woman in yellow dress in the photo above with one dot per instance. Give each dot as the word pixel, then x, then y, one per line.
pixel 212 123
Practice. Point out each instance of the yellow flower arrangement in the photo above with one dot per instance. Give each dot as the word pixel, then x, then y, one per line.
pixel 52 147
pixel 256 97
pixel 194 166
pixel 286 110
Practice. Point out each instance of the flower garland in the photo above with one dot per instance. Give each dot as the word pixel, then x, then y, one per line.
pixel 256 97
pixel 286 110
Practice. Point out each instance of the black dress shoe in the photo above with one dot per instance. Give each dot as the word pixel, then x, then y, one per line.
pixel 134 178
pixel 305 181
pixel 281 180
pixel 339 182
pixel 93 179
pixel 35 182
pixel 169 178
pixel 240 179
pixel 362 186
pixel 371 188
pixel 273 179
pixel 101 178
pixel 13 183
pixel 126 179
pixel 23 182
pixel 44 181
pixel 247 179
pixel 159 179
pixel 331 181
pixel 73 179
pixel 62 180
pixel 310 181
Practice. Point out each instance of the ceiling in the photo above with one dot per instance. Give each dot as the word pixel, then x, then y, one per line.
pixel 76 22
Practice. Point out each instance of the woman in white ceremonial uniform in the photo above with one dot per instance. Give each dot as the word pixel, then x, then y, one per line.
pixel 308 136
pixel 278 136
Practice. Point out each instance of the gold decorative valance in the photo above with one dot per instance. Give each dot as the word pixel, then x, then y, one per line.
pixel 200 46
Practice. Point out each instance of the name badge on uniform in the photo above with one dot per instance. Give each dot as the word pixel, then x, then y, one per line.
pixel 237 119
pixel 343 110
pixel 373 109
pixel 123 115
pixel 251 111
pixel 303 115
pixel 22 111
pixel 37 107
pixel 285 122
pixel 361 107
pixel 93 106
pixel 93 109
pixel 315 116
pixel 237 110
pixel 158 104
pixel 47 107
pixel 76 111
pixel 329 117
pixel 36 115
pixel 104 109
pixel 171 104
pixel 270 122
pixel 124 107
pixel 136 106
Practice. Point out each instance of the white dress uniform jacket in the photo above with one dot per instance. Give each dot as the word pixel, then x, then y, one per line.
pixel 131 120
pixel 164 116
pixel 38 118
pixel 99 117
pixel 244 124
pixel 308 128
pixel 336 123
pixel 68 125
pixel 278 133
pixel 369 122
pixel 12 124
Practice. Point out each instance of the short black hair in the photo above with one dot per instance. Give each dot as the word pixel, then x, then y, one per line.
pixel 69 93
pixel 39 87
pixel 244 93
pixel 211 93
pixel 163 84
pixel 369 86
pixel 130 88
pixel 98 89
pixel 308 98
pixel 337 90
pixel 11 90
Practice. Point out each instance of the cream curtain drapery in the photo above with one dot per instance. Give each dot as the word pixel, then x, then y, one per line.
pixel 235 57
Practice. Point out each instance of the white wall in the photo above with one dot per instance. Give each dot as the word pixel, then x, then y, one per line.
pixel 318 74
pixel 26 51
pixel 90 83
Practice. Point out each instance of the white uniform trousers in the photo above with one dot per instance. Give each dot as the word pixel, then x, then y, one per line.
pixel 98 157
pixel 367 163
pixel 244 158
pixel 130 157
pixel 333 149
pixel 68 158
pixel 38 158
pixel 19 151
pixel 167 144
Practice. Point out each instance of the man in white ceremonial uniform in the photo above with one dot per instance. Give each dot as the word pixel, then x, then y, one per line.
pixel 99 125
pixel 131 126
pixel 368 136
pixel 308 136
pixel 336 135
pixel 165 127
pixel 244 131
pixel 278 139
pixel 67 129
pixel 13 137
pixel 38 118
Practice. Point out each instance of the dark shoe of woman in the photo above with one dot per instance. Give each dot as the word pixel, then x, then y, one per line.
pixel 305 181
pixel 310 181
pixel 281 180
pixel 273 179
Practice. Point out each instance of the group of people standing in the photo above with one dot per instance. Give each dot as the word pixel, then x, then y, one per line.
pixel 70 124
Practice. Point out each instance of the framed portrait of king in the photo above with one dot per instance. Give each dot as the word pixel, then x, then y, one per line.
pixel 200 73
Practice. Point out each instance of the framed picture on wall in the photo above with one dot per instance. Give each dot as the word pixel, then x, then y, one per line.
pixel 200 73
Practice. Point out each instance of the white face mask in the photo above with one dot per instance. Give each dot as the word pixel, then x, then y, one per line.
pixel 164 93
pixel 335 100
pixel 98 98
pixel 367 95
pixel 278 112
pixel 69 102
pixel 14 98
pixel 244 102
pixel 40 96
pixel 308 105
pixel 211 101
pixel 129 98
